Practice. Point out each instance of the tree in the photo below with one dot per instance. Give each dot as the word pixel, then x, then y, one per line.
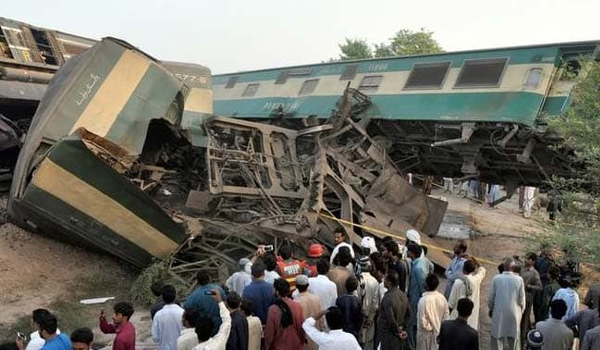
pixel 383 50
pixel 355 49
pixel 407 42
pixel 404 43
pixel 578 228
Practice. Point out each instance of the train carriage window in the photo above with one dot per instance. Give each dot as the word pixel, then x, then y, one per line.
pixel 250 90
pixel 481 73
pixel 308 87
pixel 370 83
pixel 534 77
pixel 231 82
pixel 427 75
pixel 282 78
pixel 349 72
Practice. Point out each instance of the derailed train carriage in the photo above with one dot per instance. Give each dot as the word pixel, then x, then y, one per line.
pixel 29 57
pixel 124 156
pixel 473 115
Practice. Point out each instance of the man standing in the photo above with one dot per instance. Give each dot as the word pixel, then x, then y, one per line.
pixel 124 330
pixel 557 336
pixel 339 273
pixel 310 304
pixel 322 286
pixel 240 279
pixel 47 327
pixel 255 329
pixel 270 262
pixel 188 339
pixel 350 307
pixel 203 302
pixel 456 266
pixel 167 325
pixel 568 295
pixel 533 284
pixel 156 289
pixel 315 253
pixel 542 266
pixel 457 334
pixel 339 237
pixel 592 297
pixel 288 267
pixel 583 321
pixel 394 316
pixel 259 292
pixel 468 286
pixel 370 293
pixel 591 341
pixel 549 291
pixel 418 273
pixel 238 335
pixel 205 325
pixel 506 303
pixel 284 321
pixel 35 341
pixel 391 253
pixel 336 338
pixel 431 311
pixel 82 339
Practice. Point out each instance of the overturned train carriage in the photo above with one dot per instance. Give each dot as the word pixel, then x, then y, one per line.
pixel 124 156
pixel 471 114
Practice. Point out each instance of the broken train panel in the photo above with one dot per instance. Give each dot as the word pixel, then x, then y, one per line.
pixel 89 131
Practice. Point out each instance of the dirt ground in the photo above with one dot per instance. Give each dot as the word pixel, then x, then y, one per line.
pixel 36 271
pixel 39 272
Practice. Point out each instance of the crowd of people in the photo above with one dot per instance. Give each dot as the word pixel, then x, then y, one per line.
pixel 383 297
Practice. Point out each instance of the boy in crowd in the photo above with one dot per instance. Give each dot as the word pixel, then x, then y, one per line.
pixel 124 330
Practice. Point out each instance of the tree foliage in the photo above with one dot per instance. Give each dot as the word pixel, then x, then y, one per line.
pixel 405 42
pixel 578 228
pixel 355 49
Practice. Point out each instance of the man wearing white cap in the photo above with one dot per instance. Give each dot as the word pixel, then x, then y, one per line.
pixel 310 304
pixel 240 279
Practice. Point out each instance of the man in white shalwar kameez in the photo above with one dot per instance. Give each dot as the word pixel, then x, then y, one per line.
pixel 370 295
pixel 431 311
pixel 528 201
pixel 473 275
pixel 506 303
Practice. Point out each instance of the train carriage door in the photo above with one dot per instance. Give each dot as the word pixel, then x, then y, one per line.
pixel 568 70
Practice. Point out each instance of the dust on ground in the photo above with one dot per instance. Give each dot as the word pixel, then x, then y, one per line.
pixel 39 272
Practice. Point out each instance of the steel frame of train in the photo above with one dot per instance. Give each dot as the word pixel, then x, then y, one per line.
pixel 471 114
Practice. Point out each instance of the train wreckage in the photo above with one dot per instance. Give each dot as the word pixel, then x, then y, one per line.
pixel 124 156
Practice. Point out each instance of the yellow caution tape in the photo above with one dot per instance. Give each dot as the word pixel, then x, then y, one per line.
pixel 374 230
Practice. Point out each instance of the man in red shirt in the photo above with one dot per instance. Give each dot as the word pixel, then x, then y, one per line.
pixel 288 267
pixel 284 321
pixel 125 338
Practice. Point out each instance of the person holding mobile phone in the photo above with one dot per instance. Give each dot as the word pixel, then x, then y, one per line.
pixel 35 341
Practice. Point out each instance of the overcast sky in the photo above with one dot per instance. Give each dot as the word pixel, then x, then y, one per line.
pixel 228 35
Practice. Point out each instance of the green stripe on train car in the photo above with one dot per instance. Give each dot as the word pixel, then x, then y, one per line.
pixel 82 229
pixel 74 157
pixel 75 100
pixel 373 66
pixel 521 107
pixel 555 105
pixel 146 102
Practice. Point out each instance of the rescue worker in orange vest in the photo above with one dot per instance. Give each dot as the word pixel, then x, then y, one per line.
pixel 315 252
pixel 288 267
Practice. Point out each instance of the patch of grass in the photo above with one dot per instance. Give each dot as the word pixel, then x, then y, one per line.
pixel 8 332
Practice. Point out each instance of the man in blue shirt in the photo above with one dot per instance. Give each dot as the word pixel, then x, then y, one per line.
pixel 47 328
pixel 259 292
pixel 202 300
pixel 456 266
pixel 416 287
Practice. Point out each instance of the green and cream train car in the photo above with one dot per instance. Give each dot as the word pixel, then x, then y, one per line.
pixel 473 113
pixel 107 114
